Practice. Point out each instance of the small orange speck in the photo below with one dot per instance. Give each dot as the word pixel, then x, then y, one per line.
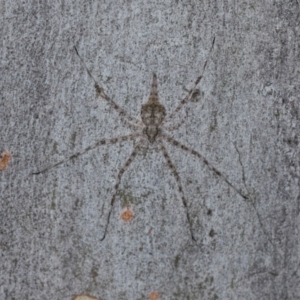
pixel 127 214
pixel 154 296
pixel 4 160
pixel 84 297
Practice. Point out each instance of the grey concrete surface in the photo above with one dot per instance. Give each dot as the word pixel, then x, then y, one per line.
pixel 245 121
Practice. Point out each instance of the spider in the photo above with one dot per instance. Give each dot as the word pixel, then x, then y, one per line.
pixel 150 129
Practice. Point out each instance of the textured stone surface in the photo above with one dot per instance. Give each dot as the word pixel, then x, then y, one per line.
pixel 245 122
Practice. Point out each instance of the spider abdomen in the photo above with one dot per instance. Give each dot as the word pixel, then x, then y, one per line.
pixel 153 114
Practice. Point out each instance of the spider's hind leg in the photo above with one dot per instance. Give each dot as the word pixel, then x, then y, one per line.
pixel 119 177
pixel 176 143
pixel 178 181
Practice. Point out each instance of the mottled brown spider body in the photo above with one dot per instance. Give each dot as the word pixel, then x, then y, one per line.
pixel 153 113
pixel 151 128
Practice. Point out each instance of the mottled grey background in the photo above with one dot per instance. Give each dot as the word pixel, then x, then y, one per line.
pixel 245 122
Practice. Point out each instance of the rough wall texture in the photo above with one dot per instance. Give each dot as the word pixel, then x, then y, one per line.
pixel 245 121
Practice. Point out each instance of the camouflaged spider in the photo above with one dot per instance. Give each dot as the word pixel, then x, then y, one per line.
pixel 150 129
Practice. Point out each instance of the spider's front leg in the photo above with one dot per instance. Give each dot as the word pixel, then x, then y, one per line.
pixel 192 90
pixel 132 126
pixel 100 93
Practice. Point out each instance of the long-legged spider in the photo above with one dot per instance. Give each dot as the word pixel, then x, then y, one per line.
pixel 151 129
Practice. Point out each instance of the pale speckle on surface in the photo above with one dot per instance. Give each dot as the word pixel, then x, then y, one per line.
pixel 4 160
pixel 84 297
pixel 154 296
pixel 127 214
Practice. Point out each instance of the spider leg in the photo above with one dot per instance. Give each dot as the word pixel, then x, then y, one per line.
pixel 101 94
pixel 132 126
pixel 205 161
pixel 99 143
pixel 119 177
pixel 177 178
pixel 176 126
pixel 193 90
